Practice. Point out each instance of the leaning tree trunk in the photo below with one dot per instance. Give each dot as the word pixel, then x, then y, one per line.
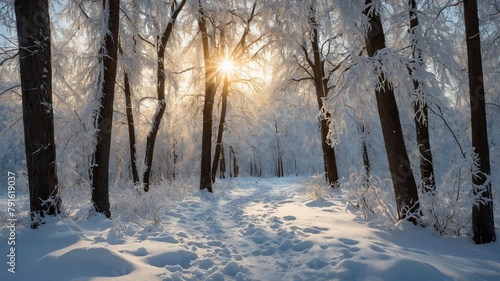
pixel 483 224
pixel 130 121
pixel 421 111
pixel 155 126
pixel 131 127
pixel 218 145
pixel 33 33
pixel 160 89
pixel 104 114
pixel 405 188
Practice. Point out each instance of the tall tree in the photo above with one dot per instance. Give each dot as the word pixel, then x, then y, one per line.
pixel 403 181
pixel 483 224
pixel 33 33
pixel 421 108
pixel 129 30
pixel 104 114
pixel 220 131
pixel 130 120
pixel 208 104
pixel 317 64
pixel 161 44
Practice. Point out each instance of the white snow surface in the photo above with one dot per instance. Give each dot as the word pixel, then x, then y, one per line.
pixel 249 229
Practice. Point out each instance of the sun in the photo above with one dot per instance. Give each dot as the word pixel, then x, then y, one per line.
pixel 227 66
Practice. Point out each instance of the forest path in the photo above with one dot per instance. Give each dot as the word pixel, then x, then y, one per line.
pixel 258 229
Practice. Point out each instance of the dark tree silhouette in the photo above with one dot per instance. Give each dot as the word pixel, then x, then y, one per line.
pixel 104 114
pixel 33 33
pixel 483 223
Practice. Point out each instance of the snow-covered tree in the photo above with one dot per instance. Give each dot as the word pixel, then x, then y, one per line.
pixel 104 114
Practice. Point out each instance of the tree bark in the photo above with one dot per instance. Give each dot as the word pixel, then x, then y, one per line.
pixel 130 122
pixel 131 128
pixel 210 87
pixel 222 165
pixel 218 145
pixel 421 119
pixel 364 148
pixel 483 225
pixel 279 157
pixel 33 33
pixel 104 115
pixel 234 170
pixel 403 181
pixel 320 84
pixel 160 88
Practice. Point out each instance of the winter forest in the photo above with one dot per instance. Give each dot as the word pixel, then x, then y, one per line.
pixel 123 121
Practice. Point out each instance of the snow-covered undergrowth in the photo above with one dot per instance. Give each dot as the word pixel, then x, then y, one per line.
pixel 249 229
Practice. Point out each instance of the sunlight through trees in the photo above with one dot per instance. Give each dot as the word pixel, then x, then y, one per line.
pixel 107 93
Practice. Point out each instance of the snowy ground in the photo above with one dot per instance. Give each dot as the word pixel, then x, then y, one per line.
pixel 250 229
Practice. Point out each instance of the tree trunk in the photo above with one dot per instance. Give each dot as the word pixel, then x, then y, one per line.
pixel 222 165
pixel 234 171
pixel 421 116
pixel 366 159
pixel 106 82
pixel 130 123
pixel 279 158
pixel 320 85
pixel 33 33
pixel 131 128
pixel 174 170
pixel 483 225
pixel 218 145
pixel 155 126
pixel 208 105
pixel 160 89
pixel 405 188
pixel 279 166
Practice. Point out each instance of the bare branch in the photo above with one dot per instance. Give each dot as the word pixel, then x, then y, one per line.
pixel 301 79
pixel 184 70
pixel 146 40
pixel 306 55
pixel 9 58
pixel 8 89
pixel 303 67
pixel 448 6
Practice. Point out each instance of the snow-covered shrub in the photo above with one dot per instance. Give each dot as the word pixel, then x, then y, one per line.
pixel 374 197
pixel 318 188
pixel 448 209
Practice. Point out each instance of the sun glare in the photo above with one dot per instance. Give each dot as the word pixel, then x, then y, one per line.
pixel 227 66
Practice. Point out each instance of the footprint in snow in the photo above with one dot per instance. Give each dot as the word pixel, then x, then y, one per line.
pixel 302 246
pixel 376 248
pixel 314 229
pixel 140 252
pixel 317 263
pixel 182 258
pixel 348 241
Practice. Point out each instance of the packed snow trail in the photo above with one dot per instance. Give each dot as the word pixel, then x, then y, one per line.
pixel 250 229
